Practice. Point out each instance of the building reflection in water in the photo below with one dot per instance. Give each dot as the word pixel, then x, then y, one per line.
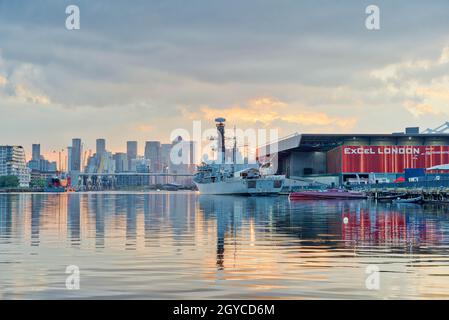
pixel 36 208
pixel 131 231
pixel 74 218
pixel 139 221
pixel 8 203
pixel 393 225
pixel 219 246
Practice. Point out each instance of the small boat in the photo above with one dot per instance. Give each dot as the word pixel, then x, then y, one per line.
pixel 390 197
pixel 170 187
pixel 409 200
pixel 330 194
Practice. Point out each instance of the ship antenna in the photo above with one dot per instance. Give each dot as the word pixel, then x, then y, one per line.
pixel 219 122
pixel 234 150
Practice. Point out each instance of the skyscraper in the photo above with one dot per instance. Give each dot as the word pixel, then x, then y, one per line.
pixel 36 154
pixel 39 163
pixel 153 153
pixel 101 146
pixel 121 162
pixel 69 158
pixel 165 156
pixel 76 155
pixel 131 152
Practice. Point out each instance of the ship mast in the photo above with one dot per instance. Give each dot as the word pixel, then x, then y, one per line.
pixel 219 122
pixel 234 149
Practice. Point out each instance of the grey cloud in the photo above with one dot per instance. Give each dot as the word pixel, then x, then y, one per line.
pixel 150 58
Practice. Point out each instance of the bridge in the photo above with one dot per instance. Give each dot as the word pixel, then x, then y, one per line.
pixel 147 174
pixel 108 181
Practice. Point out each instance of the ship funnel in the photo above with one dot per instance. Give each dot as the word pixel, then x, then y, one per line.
pixel 219 122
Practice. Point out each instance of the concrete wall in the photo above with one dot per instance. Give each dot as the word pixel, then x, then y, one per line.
pixel 356 142
pixel 301 160
pixel 383 141
pixel 410 141
pixel 437 141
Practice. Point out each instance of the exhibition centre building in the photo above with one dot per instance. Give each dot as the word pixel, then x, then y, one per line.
pixel 358 158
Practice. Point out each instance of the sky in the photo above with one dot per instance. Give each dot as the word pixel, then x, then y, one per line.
pixel 139 70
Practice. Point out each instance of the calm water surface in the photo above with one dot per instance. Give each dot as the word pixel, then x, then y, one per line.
pixel 186 246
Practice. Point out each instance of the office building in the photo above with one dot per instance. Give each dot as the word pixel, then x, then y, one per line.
pixel 131 151
pixel 76 152
pixel 357 158
pixel 69 158
pixel 165 156
pixel 101 146
pixel 36 152
pixel 13 163
pixel 39 163
pixel 153 153
pixel 121 162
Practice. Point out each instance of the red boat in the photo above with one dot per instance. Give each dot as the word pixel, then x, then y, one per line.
pixel 326 195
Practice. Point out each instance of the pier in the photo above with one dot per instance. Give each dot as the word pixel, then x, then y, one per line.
pixel 432 195
pixel 431 191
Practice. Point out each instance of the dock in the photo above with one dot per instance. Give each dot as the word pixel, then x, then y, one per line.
pixel 429 195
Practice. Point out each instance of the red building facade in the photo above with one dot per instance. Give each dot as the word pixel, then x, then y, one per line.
pixel 384 159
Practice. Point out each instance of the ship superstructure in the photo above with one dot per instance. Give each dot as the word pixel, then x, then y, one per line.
pixel 233 178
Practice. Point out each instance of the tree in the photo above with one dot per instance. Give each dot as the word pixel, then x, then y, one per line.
pixel 9 182
pixel 38 183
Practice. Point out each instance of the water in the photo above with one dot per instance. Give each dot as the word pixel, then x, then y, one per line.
pixel 186 246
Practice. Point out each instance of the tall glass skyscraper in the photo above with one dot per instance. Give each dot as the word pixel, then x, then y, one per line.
pixel 101 146
pixel 36 155
pixel 153 153
pixel 131 152
pixel 76 155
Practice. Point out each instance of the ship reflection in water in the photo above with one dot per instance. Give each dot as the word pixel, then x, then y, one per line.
pixel 182 245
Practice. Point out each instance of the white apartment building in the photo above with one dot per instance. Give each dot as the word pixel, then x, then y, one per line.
pixel 13 163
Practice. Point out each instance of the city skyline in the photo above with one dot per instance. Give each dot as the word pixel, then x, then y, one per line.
pixel 138 72
pixel 52 154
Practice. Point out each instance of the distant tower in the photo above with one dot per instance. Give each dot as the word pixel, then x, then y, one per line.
pixel 219 122
pixel 101 146
pixel 131 152
pixel 36 154
pixel 153 153
pixel 69 158
pixel 76 155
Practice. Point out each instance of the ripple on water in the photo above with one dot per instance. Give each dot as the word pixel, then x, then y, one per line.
pixel 185 246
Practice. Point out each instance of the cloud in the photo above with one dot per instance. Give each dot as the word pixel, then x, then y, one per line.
pixel 269 110
pixel 25 94
pixel 420 109
pixel 212 58
pixel 22 84
pixel 436 92
pixel 145 128
pixel 422 84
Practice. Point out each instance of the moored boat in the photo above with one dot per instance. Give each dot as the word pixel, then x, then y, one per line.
pixel 327 195
pixel 390 197
pixel 409 200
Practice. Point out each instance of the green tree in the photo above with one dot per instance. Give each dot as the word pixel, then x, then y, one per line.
pixel 37 183
pixel 9 182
